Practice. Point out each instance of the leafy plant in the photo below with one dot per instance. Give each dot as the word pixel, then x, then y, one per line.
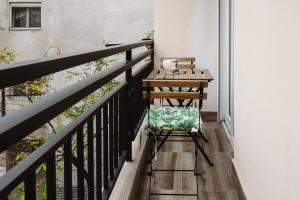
pixel 21 155
pixel 28 88
pixel 34 88
pixel 7 55
pixel 82 73
pixel 149 36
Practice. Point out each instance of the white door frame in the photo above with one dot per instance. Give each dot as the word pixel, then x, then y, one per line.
pixel 227 119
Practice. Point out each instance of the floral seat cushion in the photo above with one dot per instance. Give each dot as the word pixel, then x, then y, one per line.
pixel 175 118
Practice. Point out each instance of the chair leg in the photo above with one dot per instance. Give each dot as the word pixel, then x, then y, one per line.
pixel 159 146
pixel 201 150
pixel 203 137
pixel 151 169
pixel 196 173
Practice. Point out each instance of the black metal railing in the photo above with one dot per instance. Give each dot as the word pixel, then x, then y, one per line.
pixel 138 100
pixel 102 135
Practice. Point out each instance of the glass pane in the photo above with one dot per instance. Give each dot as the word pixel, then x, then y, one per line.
pixel 34 17
pixel 19 17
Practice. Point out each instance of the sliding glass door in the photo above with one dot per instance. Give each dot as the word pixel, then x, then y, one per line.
pixel 226 65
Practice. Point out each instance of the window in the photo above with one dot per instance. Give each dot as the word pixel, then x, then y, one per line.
pixel 25 15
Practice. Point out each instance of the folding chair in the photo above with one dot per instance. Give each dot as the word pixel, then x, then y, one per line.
pixel 182 63
pixel 165 122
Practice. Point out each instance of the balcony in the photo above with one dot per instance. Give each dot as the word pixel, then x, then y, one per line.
pixel 251 49
pixel 95 145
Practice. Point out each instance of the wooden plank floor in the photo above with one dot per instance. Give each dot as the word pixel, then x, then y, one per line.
pixel 214 183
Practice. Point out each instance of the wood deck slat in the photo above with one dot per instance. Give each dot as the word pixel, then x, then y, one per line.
pixel 160 75
pixel 178 76
pixel 153 74
pixel 185 74
pixel 199 74
pixel 189 74
pixel 189 71
pixel 169 76
pixel 207 74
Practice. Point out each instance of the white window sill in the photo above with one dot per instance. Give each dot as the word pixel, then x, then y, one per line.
pixel 26 29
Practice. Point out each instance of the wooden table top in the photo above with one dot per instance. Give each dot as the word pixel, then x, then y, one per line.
pixel 182 74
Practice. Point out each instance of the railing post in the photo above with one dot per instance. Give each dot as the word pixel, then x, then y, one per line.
pixel 51 177
pixel 3 103
pixel 152 62
pixel 129 79
pixel 30 187
pixel 152 55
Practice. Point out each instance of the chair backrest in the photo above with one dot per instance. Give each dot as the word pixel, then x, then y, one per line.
pixel 182 62
pixel 150 94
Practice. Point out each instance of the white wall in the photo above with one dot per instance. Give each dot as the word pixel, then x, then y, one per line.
pixel 267 109
pixel 78 26
pixel 71 27
pixel 189 28
pixel 128 20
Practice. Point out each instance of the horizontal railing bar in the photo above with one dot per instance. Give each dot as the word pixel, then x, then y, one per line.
pixel 31 70
pixel 145 66
pixel 17 174
pixel 21 123
pixel 112 44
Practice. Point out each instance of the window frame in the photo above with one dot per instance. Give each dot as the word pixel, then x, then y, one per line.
pixel 27 6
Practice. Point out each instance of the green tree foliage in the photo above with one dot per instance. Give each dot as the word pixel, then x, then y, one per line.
pixel 29 88
pixel 34 88
pixel 6 56
pixel 82 72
